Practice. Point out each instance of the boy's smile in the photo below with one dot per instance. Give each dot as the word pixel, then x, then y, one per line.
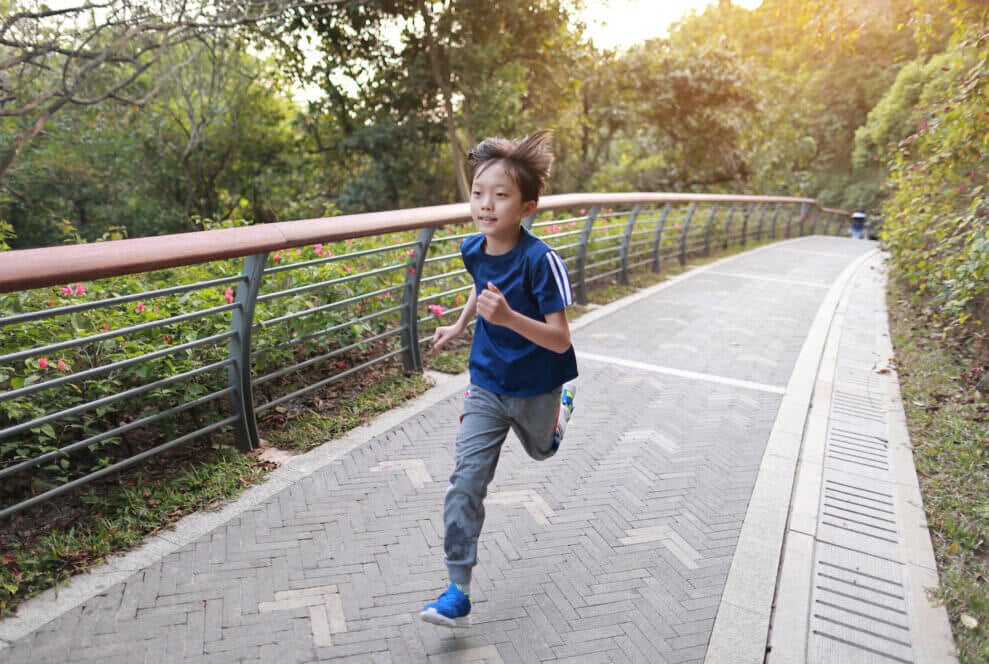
pixel 497 208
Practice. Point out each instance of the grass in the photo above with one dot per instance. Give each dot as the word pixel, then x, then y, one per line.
pixel 945 399
pixel 71 535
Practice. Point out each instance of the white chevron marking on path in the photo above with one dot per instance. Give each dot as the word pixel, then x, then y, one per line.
pixel 415 469
pixel 651 435
pixel 529 499
pixel 325 610
pixel 669 538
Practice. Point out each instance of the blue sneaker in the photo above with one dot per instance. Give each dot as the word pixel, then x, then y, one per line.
pixel 450 606
pixel 566 410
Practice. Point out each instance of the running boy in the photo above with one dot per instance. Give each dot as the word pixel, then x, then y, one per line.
pixel 521 359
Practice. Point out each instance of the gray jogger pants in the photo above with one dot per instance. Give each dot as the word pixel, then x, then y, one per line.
pixel 484 425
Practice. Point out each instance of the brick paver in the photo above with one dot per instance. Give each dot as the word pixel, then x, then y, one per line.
pixel 615 550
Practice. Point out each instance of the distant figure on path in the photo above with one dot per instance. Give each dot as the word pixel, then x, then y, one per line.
pixel 522 364
pixel 858 225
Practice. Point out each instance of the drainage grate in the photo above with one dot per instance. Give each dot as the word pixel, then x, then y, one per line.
pixel 860 596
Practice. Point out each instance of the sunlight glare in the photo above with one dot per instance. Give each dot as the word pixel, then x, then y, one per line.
pixel 621 23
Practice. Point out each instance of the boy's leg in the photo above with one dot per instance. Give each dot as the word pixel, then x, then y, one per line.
pixel 540 421
pixel 483 429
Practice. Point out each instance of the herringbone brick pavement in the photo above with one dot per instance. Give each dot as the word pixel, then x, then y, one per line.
pixel 615 550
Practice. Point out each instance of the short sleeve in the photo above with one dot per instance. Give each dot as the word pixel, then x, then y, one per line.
pixel 551 283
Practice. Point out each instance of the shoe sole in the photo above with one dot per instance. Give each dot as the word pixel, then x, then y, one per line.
pixel 433 617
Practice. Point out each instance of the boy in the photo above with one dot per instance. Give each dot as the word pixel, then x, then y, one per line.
pixel 521 362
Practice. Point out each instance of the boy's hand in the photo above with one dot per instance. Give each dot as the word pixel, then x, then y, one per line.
pixel 493 307
pixel 443 335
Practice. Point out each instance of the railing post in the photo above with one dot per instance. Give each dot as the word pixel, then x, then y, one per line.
pixel 412 357
pixel 727 233
pixel 804 211
pixel 239 371
pixel 758 227
pixel 745 221
pixel 626 241
pixel 707 230
pixel 585 238
pixel 683 234
pixel 657 241
pixel 813 221
pixel 789 221
pixel 776 216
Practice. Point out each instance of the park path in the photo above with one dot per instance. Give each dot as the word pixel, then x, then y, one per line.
pixel 655 535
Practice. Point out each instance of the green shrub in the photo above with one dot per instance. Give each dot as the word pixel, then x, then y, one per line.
pixel 936 212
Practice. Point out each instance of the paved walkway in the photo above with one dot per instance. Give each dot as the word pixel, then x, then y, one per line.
pixel 738 444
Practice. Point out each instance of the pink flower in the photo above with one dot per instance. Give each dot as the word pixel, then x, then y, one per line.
pixel 412 270
pixel 318 249
pixel 410 252
pixel 277 257
pixel 62 366
pixel 229 294
pixel 43 363
pixel 555 229
pixel 80 289
pixel 582 211
pixel 140 307
pixel 67 291
pixel 437 310
pixel 106 326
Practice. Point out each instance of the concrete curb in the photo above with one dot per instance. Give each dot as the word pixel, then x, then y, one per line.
pixel 742 623
pixel 790 636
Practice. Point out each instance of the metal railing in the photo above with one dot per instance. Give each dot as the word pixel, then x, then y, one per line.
pixel 112 353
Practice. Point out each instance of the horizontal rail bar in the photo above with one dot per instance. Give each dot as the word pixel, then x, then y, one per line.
pixel 25 269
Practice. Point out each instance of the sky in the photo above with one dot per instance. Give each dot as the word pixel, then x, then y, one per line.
pixel 614 23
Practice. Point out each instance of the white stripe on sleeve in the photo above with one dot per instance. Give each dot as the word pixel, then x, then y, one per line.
pixel 559 270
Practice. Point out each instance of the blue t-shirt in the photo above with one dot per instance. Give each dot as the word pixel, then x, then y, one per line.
pixel 535 282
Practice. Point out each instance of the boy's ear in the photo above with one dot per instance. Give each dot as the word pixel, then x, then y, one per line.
pixel 529 207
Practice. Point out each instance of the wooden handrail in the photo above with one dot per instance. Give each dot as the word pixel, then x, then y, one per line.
pixel 26 269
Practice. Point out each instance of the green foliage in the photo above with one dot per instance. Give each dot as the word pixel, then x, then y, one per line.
pixel 936 212
pixel 945 397
pixel 322 309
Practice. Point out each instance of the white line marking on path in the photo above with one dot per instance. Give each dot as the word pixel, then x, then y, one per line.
pixel 693 375
pixel 760 277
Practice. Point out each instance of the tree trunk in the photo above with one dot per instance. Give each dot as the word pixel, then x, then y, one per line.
pixel 441 75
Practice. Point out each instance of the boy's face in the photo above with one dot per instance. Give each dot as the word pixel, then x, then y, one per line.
pixel 496 204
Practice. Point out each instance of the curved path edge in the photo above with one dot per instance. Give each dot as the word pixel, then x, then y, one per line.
pixel 742 624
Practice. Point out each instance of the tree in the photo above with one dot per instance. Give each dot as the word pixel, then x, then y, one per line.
pixel 87 54
pixel 446 73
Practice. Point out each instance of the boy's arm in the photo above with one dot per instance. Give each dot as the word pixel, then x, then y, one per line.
pixel 554 334
pixel 446 333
